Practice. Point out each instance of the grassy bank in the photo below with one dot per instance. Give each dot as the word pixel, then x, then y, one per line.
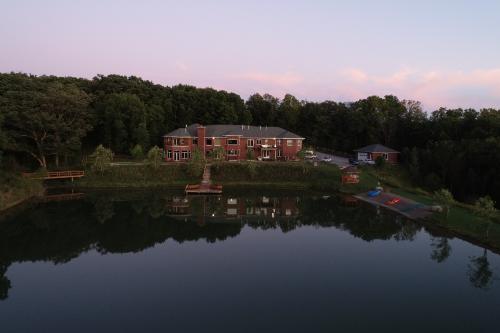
pixel 171 175
pixel 461 218
pixel 278 174
pixel 15 189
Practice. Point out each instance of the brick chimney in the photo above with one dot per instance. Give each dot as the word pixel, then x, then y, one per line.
pixel 200 130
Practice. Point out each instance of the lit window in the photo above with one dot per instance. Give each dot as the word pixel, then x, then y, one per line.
pixel 289 143
pixel 232 141
pixel 217 142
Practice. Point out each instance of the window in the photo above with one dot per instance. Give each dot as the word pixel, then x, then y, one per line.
pixel 232 141
pixel 259 141
pixel 185 154
pixel 232 201
pixel 169 154
pixel 233 152
pixel 386 156
pixel 250 143
pixel 208 141
pixel 177 141
pixel 195 141
pixel 279 153
pixel 278 142
pixel 289 143
pixel 217 142
pixel 265 141
pixel 299 143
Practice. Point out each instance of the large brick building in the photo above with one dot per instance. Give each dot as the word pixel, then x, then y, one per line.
pixel 266 143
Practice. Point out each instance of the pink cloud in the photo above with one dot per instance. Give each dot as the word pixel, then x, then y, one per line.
pixel 476 88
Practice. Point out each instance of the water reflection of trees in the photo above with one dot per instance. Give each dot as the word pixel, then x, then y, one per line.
pixel 480 273
pixel 133 221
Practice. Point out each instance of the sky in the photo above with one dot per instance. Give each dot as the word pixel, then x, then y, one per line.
pixel 440 52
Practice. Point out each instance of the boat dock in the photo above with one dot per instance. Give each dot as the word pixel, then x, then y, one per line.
pixel 406 207
pixel 206 186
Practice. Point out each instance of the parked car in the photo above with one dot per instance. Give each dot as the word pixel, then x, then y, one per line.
pixel 327 159
pixel 353 161
pixel 310 156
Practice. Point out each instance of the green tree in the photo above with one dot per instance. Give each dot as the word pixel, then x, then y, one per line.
pixel 101 158
pixel 155 157
pixel 196 164
pixel 380 162
pixel 50 121
pixel 218 154
pixel 445 198
pixel 250 154
pixel 137 152
pixel 485 207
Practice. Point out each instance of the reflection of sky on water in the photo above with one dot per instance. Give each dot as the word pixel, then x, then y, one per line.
pixel 328 267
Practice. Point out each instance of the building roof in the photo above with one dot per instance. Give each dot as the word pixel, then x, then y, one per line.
pixel 236 130
pixel 376 148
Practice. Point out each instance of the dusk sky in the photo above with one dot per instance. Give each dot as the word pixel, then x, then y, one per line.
pixel 442 53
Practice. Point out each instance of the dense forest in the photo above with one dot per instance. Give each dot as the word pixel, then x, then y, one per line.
pixel 50 121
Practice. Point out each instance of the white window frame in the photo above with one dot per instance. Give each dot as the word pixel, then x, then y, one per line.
pixel 169 154
pixel 289 142
pixel 233 144
pixel 250 142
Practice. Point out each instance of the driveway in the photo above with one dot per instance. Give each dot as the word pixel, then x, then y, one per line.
pixel 340 161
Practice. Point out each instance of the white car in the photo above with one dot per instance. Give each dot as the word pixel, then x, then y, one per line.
pixel 327 159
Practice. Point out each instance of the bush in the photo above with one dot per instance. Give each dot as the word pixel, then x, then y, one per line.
pixel 196 164
pixel 250 154
pixel 485 207
pixel 155 157
pixel 380 162
pixel 101 158
pixel 137 152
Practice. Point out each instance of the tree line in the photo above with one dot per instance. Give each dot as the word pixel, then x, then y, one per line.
pixel 47 121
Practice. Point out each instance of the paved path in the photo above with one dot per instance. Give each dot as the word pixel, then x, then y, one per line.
pixel 406 207
pixel 340 161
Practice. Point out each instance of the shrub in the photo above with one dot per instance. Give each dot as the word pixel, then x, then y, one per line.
pixel 380 162
pixel 196 164
pixel 137 152
pixel 485 206
pixel 250 154
pixel 444 197
pixel 101 158
pixel 155 157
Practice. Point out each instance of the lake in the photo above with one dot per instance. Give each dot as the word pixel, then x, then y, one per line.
pixel 259 261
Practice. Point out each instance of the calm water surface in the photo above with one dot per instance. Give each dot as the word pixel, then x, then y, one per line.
pixel 259 262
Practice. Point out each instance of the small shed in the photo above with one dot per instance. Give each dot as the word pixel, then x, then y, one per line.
pixel 372 152
pixel 350 175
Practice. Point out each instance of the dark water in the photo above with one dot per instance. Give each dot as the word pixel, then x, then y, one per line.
pixel 259 262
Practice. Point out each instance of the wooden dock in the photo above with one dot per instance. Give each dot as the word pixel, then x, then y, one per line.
pixel 206 186
pixel 69 174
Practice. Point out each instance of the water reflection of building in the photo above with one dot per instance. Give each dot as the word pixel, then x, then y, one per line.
pixel 229 208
